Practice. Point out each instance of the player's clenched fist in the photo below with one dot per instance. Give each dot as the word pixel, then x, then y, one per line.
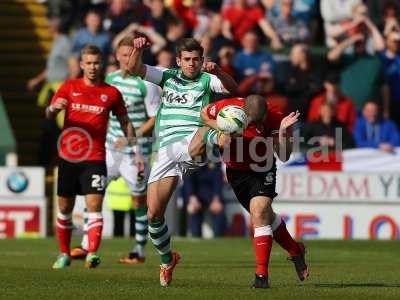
pixel 59 104
pixel 141 43
pixel 211 67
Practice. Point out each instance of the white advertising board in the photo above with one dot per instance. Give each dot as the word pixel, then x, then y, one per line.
pixel 302 185
pixel 340 221
pixel 21 182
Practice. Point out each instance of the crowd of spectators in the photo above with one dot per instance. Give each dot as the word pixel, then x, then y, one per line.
pixel 336 61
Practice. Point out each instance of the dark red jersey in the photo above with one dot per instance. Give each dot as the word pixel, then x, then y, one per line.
pixel 86 119
pixel 255 146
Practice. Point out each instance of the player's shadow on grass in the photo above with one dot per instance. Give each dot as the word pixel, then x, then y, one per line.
pixel 355 285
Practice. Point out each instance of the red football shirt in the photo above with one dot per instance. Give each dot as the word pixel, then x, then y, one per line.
pixel 254 149
pixel 86 119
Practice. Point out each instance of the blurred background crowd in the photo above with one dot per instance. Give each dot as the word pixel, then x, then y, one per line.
pixel 336 61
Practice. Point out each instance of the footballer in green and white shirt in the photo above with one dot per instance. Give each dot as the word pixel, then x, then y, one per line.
pixel 179 130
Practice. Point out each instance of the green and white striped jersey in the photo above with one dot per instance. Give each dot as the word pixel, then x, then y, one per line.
pixel 182 100
pixel 141 100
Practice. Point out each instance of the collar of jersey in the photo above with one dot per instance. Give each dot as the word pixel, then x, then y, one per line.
pixel 183 77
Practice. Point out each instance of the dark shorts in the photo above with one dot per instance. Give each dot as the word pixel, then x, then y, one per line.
pixel 249 184
pixel 81 178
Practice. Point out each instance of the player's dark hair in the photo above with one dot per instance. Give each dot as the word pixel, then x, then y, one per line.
pixel 126 41
pixel 255 107
pixel 188 44
pixel 91 50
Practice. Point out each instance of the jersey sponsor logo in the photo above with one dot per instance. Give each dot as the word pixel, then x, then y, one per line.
pixel 88 108
pixel 103 97
pixel 182 98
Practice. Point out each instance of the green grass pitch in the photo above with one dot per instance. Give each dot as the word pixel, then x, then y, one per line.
pixel 209 269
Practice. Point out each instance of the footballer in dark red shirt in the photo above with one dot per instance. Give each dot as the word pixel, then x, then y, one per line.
pixel 251 171
pixel 81 148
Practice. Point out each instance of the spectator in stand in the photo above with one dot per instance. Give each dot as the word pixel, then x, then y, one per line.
pixel 240 18
pixel 195 16
pixel 302 9
pixel 390 20
pixel 385 8
pixel 165 59
pixel 263 84
pixel 120 15
pixel 159 16
pixel 373 131
pixel 226 55
pixel 327 130
pixel 157 41
pixel 345 110
pixel 175 31
pixel 217 39
pixel 302 81
pixel 202 192
pixel 390 57
pixel 94 34
pixel 362 73
pixel 56 71
pixel 289 29
pixel 351 26
pixel 251 59
pixel 333 12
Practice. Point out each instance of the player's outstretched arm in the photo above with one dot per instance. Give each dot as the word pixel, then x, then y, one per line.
pixel 229 84
pixel 53 109
pixel 284 145
pixel 135 65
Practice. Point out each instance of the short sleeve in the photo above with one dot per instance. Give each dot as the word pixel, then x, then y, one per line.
pixel 216 84
pixel 257 14
pixel 152 99
pixel 153 74
pixel 119 109
pixel 62 92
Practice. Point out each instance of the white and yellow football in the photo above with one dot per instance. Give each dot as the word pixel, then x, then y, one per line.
pixel 231 119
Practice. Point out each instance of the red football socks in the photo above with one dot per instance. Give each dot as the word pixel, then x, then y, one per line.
pixel 283 237
pixel 262 243
pixel 63 231
pixel 95 228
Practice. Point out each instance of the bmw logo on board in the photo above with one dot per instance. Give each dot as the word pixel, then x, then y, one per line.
pixel 17 182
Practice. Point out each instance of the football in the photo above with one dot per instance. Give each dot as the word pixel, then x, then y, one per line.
pixel 231 119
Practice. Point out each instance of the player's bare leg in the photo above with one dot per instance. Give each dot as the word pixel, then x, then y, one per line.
pixel 158 195
pixel 296 250
pixel 261 215
pixel 94 204
pixel 136 256
pixel 64 231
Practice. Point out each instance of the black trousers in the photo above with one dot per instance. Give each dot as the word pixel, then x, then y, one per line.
pixel 119 221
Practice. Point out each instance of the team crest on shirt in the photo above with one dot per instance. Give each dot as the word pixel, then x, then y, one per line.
pixel 213 111
pixel 103 97
pixel 269 178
